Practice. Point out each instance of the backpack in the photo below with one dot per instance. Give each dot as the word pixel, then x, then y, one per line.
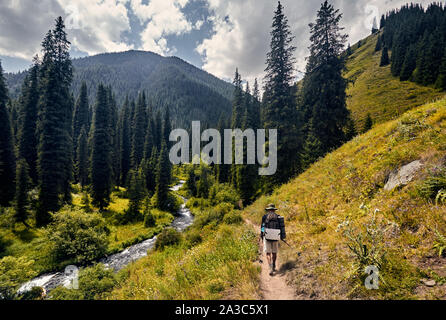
pixel 274 227
pixel 272 221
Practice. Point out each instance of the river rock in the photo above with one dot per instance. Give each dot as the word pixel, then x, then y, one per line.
pixel 403 176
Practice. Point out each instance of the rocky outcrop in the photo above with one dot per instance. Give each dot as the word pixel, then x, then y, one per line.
pixel 403 176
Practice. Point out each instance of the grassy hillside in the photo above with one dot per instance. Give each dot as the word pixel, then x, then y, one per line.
pixel 374 90
pixel 328 207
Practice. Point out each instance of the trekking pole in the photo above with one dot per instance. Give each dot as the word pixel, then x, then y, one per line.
pixel 287 244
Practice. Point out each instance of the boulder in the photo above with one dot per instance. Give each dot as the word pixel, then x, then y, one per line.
pixel 403 176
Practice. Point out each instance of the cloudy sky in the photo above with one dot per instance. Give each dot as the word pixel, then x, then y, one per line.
pixel 216 35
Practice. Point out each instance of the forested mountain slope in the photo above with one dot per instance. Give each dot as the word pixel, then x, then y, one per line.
pixel 374 90
pixel 190 93
pixel 329 206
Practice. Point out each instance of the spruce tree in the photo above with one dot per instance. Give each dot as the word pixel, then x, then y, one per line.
pixel 21 194
pixel 279 109
pixel 114 137
pixel 125 121
pixel 378 46
pixel 136 192
pixel 82 158
pixel 157 130
pixel 237 102
pixel 139 131
pixel 441 80
pixel 247 173
pixel 238 108
pixel 324 96
pixel 382 22
pixel 312 149
pixel 350 129
pixel 162 179
pixel 349 50
pixel 375 26
pixel 7 157
pixel 27 119
pixel 203 184
pixel 167 128
pixel 55 146
pixel 150 170
pixel 222 170
pixel 191 182
pixel 149 142
pixel 101 162
pixel 81 114
pixel 384 58
pixel 409 65
pixel 368 123
pixel 256 105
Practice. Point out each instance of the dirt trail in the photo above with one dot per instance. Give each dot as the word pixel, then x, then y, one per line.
pixel 273 287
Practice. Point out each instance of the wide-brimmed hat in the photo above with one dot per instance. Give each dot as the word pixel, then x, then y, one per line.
pixel 271 206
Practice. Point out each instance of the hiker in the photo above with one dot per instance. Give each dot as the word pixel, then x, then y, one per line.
pixel 272 231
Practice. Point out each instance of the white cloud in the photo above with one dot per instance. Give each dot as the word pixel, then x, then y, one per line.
pixel 162 18
pixel 23 25
pixel 97 26
pixel 93 26
pixel 241 31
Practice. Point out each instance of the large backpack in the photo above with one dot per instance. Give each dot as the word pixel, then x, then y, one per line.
pixel 274 222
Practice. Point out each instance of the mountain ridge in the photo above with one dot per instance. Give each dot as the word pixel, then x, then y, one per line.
pixel 168 82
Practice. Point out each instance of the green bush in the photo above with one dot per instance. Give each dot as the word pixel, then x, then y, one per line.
pixel 213 215
pixel 14 272
pixel 224 193
pixel 130 216
pixel 440 243
pixel 233 218
pixel 3 246
pixel 77 236
pixel 433 185
pixel 36 293
pixel 149 220
pixel 193 238
pixel 194 203
pixel 94 283
pixel 169 237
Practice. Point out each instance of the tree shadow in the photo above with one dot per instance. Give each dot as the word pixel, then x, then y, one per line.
pixel 25 234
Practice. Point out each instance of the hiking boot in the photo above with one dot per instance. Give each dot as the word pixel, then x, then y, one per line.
pixel 274 266
pixel 271 270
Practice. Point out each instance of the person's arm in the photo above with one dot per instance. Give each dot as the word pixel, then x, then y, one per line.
pixel 262 228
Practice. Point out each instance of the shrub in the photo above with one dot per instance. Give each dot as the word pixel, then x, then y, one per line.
pixel 432 188
pixel 3 245
pixel 77 236
pixel 193 203
pixel 366 245
pixel 149 220
pixel 220 193
pixel 14 272
pixel 441 197
pixel 440 244
pixel 94 283
pixel 169 237
pixel 36 293
pixel 233 218
pixel 194 238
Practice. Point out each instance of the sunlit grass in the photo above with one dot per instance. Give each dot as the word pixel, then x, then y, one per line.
pixel 220 267
pixel 374 90
pixel 333 189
